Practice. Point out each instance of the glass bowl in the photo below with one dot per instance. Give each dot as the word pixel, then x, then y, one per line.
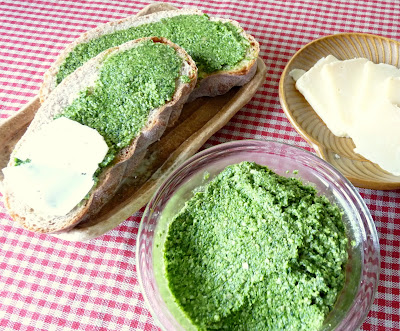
pixel 362 269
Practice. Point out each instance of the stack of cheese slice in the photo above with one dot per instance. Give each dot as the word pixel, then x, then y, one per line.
pixel 359 99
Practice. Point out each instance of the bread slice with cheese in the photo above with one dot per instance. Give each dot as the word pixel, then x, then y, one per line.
pixel 224 53
pixel 115 64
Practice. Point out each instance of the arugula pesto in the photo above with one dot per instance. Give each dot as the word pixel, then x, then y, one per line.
pixel 213 45
pixel 256 251
pixel 18 161
pixel 130 84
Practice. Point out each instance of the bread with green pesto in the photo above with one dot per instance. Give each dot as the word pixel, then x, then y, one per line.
pixel 81 83
pixel 224 53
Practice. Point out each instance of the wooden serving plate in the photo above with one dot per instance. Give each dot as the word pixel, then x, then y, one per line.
pixel 336 150
pixel 199 120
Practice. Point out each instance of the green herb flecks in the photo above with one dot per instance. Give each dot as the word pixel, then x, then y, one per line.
pixel 213 45
pixel 256 251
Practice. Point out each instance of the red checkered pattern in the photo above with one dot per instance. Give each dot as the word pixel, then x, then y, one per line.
pixel 50 284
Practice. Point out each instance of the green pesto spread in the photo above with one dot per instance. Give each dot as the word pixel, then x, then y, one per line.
pixel 130 84
pixel 212 45
pixel 253 250
pixel 18 161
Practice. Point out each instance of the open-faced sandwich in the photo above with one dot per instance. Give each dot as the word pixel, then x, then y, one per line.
pixel 92 129
pixel 224 53
pixel 107 97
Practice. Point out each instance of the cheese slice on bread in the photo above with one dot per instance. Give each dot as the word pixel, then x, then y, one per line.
pixel 128 94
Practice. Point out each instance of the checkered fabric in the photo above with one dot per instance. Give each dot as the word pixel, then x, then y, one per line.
pixel 50 284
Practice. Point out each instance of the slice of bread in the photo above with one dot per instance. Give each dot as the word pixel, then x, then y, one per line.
pixel 126 160
pixel 209 84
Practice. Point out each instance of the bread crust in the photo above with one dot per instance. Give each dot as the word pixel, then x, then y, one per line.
pixel 216 83
pixel 126 160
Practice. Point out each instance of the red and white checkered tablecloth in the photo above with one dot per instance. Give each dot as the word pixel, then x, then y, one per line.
pixel 50 284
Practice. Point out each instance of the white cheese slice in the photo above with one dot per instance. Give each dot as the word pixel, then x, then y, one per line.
pixel 378 138
pixel 64 143
pixel 315 89
pixel 374 88
pixel 392 88
pixel 64 156
pixel 344 78
pixel 297 73
pixel 46 189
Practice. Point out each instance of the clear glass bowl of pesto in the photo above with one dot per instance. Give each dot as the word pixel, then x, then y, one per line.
pixel 257 235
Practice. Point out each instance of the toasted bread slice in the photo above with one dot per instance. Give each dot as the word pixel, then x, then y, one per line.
pixel 209 83
pixel 127 158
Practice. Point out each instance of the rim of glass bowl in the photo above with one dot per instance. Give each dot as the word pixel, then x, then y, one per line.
pixel 354 317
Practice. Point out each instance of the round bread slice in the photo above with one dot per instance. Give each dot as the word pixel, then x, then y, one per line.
pixel 209 84
pixel 126 160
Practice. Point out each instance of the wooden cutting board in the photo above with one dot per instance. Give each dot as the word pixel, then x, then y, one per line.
pixel 199 120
